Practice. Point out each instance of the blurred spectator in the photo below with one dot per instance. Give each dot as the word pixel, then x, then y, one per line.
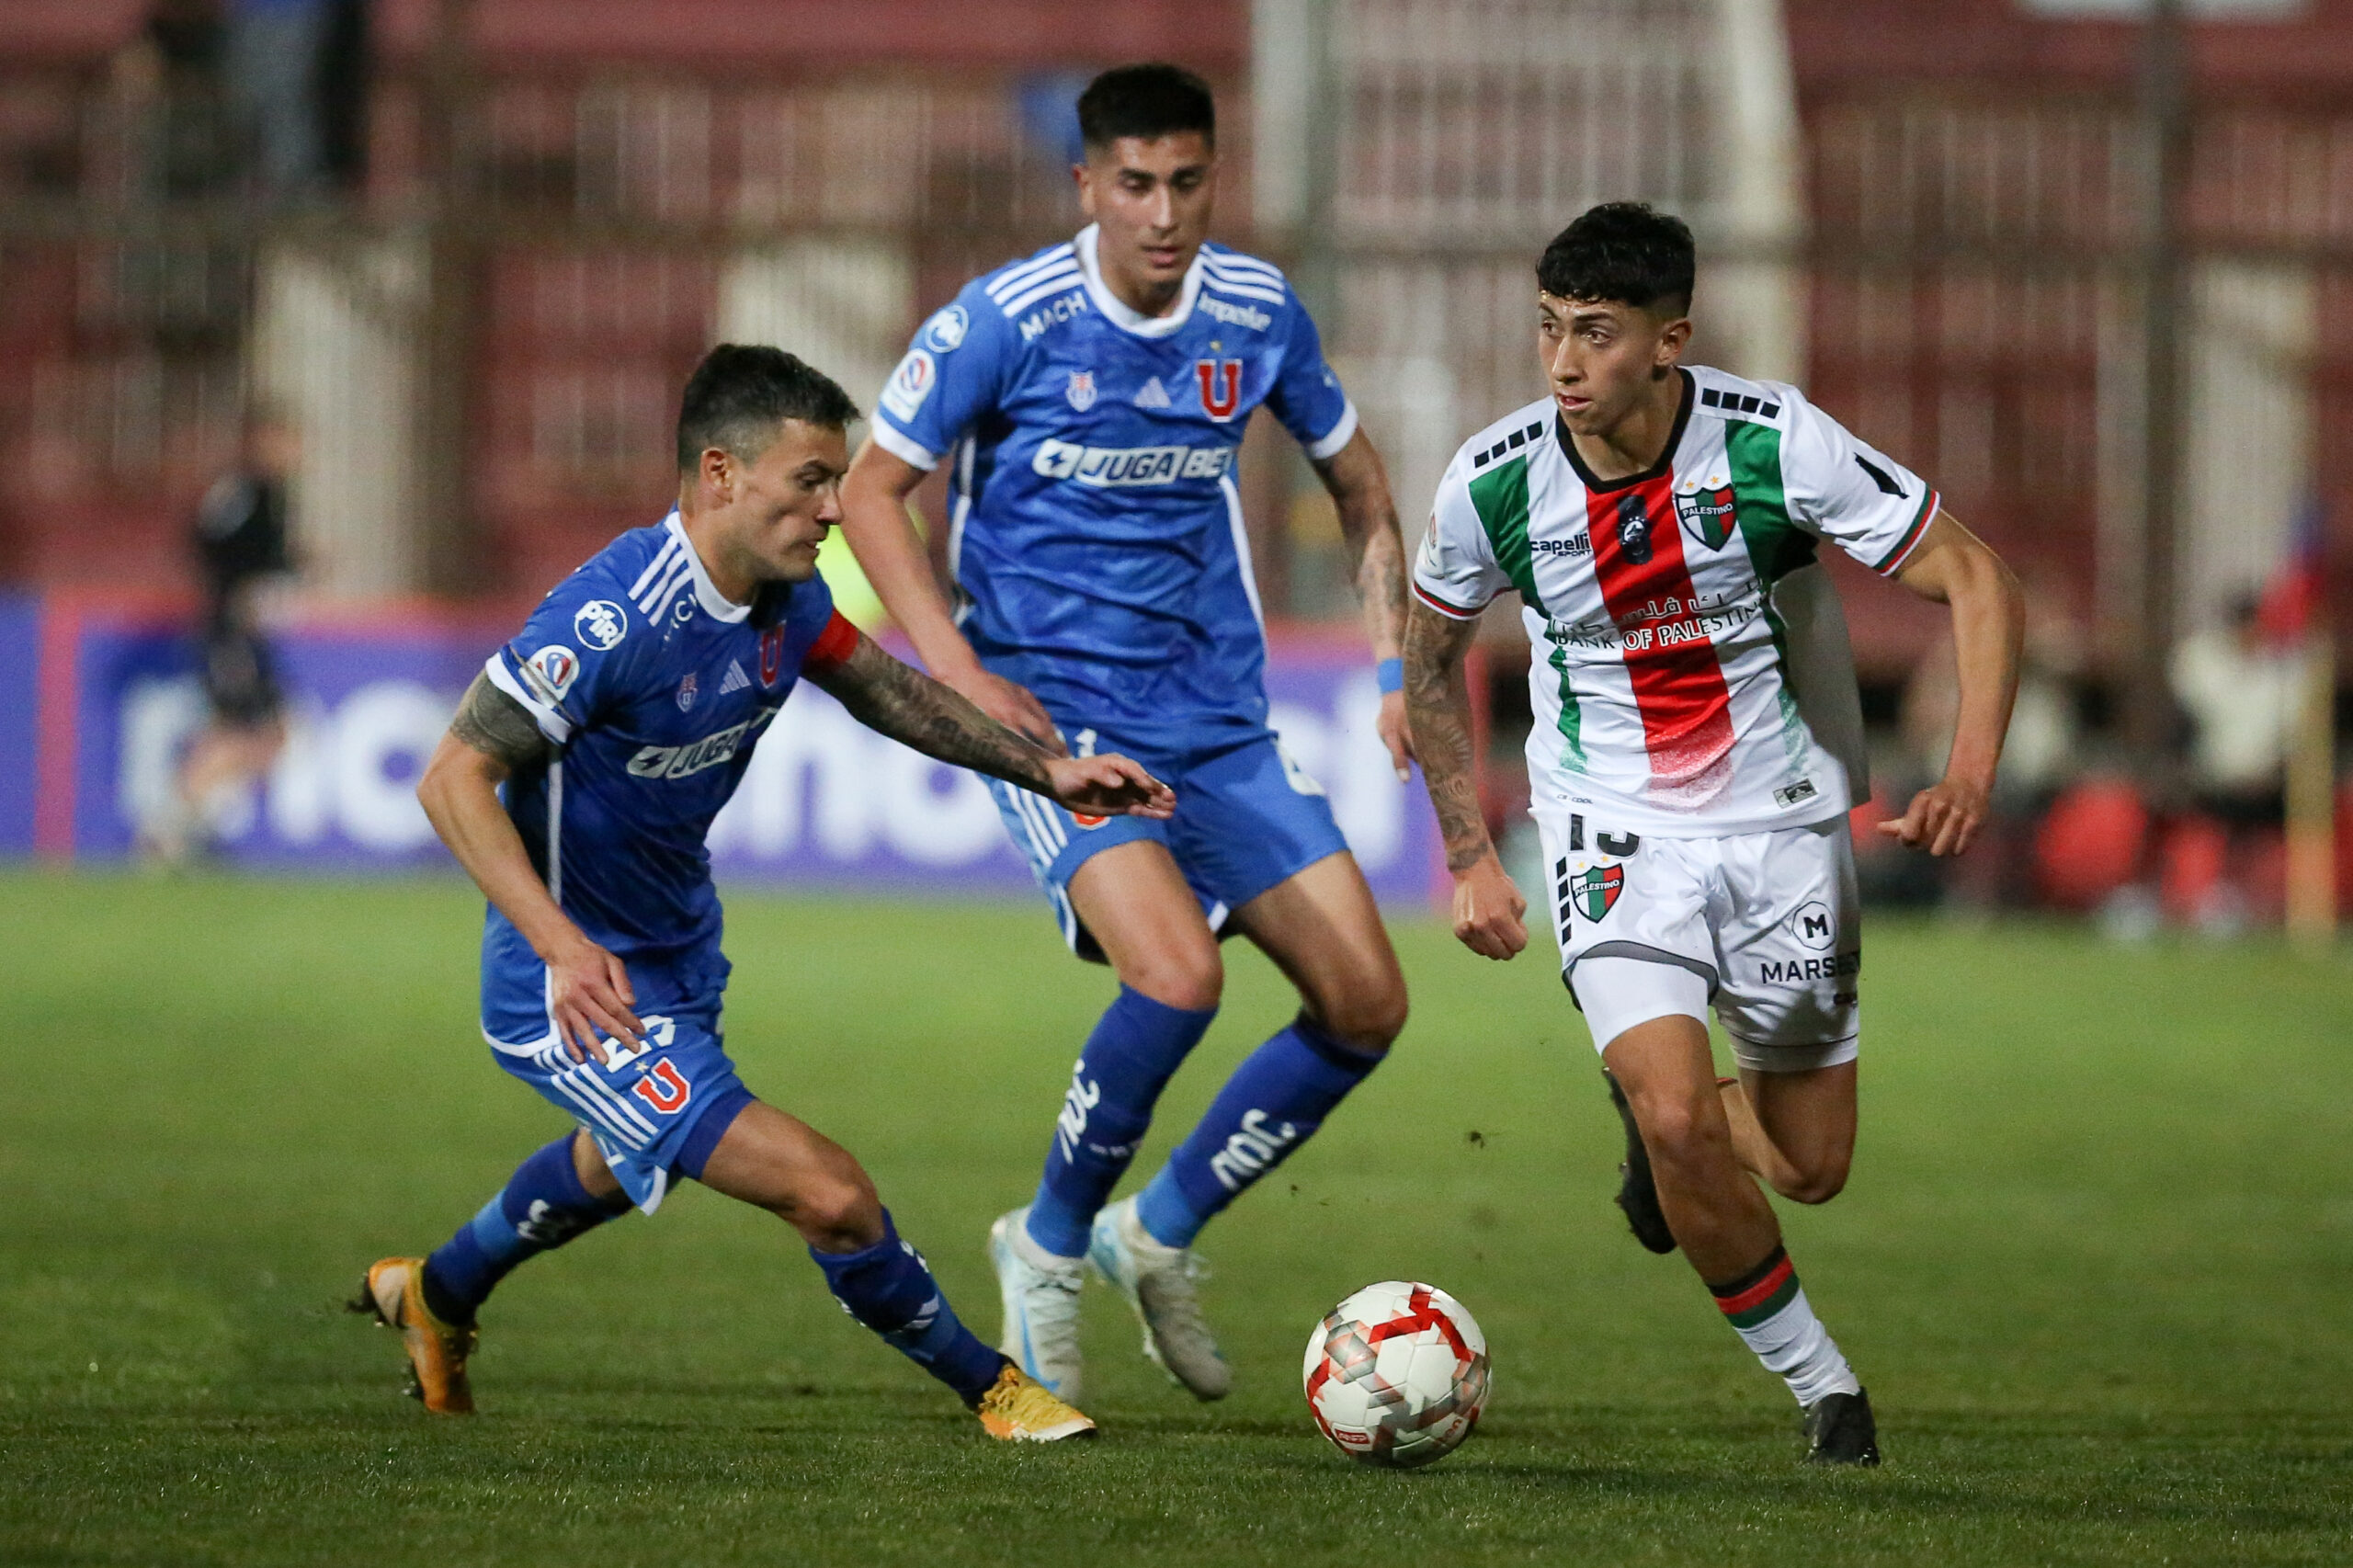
pixel 241 546
pixel 2240 694
pixel 278 56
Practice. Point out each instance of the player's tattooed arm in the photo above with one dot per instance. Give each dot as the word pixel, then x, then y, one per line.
pixel 1437 702
pixel 497 726
pixel 1488 908
pixel 1359 488
pixel 490 738
pixel 914 709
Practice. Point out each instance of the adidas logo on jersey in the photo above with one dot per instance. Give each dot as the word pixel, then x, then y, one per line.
pixel 1153 394
pixel 734 679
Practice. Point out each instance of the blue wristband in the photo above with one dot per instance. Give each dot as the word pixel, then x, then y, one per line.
pixel 1391 673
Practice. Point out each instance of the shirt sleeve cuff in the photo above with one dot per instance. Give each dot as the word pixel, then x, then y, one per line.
pixel 890 441
pixel 1892 561
pixel 552 721
pixel 1451 611
pixel 1338 435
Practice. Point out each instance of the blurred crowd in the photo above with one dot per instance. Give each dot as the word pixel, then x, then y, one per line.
pixel 2203 849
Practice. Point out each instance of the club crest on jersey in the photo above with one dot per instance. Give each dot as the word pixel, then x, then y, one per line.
pixel 1595 890
pixel 688 692
pixel 771 654
pixel 1220 386
pixel 1707 516
pixel 1633 534
pixel 1080 393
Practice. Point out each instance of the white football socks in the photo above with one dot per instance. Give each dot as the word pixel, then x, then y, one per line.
pixel 1767 1308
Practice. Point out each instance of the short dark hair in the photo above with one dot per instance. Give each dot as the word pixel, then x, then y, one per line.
pixel 740 393
pixel 1148 101
pixel 1625 252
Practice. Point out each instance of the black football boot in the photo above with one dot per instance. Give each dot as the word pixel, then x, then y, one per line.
pixel 1839 1430
pixel 1637 1194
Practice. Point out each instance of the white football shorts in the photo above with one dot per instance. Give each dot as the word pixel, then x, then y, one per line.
pixel 1766 925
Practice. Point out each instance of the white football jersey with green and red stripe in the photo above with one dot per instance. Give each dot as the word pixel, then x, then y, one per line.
pixel 1692 673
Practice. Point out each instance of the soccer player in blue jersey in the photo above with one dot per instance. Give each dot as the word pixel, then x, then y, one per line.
pixel 576 785
pixel 1089 403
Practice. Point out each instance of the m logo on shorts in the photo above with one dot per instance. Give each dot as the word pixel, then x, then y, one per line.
pixel 1593 890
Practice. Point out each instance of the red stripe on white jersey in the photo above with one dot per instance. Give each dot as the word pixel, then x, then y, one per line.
pixel 1677 678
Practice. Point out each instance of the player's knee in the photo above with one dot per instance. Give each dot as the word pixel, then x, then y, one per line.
pixel 1678 1129
pixel 1819 1184
pixel 1368 1017
pixel 838 1214
pixel 1192 979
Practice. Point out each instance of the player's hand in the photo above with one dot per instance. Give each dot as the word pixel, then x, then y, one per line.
pixel 1109 785
pixel 1394 733
pixel 1487 910
pixel 1943 817
pixel 1011 705
pixel 588 990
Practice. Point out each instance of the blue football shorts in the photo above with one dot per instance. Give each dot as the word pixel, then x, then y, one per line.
pixel 1247 819
pixel 654 1108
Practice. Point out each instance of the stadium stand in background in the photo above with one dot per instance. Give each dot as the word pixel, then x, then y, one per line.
pixel 531 217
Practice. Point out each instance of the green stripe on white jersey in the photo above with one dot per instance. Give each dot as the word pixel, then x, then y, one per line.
pixel 1693 684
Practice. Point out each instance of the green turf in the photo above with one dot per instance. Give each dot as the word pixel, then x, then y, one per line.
pixel 2094 1265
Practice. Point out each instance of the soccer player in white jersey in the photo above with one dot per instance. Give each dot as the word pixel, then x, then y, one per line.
pixel 1088 403
pixel 1696 747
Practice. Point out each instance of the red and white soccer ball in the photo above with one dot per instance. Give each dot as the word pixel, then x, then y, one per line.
pixel 1397 1374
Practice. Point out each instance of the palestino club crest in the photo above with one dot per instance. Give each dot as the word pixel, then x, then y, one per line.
pixel 1080 393
pixel 1707 516
pixel 1220 386
pixel 1595 890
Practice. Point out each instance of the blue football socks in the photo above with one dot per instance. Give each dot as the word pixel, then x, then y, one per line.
pixel 888 1288
pixel 1273 1103
pixel 1136 1046
pixel 543 1206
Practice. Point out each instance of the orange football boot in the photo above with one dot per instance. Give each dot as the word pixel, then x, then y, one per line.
pixel 394 1292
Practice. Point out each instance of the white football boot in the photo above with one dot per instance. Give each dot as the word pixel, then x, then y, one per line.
pixel 1158 1283
pixel 1041 1295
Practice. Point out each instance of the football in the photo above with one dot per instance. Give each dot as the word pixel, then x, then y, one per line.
pixel 1397 1374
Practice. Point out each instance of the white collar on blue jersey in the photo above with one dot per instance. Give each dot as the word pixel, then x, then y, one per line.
pixel 1117 311
pixel 716 604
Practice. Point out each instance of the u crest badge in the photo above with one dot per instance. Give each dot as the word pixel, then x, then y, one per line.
pixel 1220 386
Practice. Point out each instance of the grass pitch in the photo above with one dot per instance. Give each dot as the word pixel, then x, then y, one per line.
pixel 2093 1265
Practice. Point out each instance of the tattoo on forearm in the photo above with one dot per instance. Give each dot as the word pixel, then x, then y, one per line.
pixel 910 707
pixel 499 727
pixel 1438 708
pixel 1369 526
pixel 1380 582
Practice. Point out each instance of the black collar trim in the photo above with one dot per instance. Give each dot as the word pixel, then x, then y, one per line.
pixel 1665 459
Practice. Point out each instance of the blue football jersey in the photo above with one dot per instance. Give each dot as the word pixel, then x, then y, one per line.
pixel 1096 536
pixel 654 687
